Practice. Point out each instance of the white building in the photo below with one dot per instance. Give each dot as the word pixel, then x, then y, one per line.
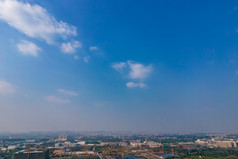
pixel 136 144
pixel 68 144
pixel 200 142
pixel 3 149
pixel 152 144
pixel 81 142
pixel 11 147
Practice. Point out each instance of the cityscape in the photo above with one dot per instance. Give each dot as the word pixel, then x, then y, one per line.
pixel 102 145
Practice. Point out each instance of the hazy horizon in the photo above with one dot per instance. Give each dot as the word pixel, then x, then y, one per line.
pixel 98 65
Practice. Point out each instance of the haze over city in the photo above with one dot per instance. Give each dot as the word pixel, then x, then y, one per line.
pixel 98 65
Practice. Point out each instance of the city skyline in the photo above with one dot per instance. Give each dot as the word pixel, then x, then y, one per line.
pixel 145 66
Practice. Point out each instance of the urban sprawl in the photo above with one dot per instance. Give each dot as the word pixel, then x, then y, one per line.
pixel 117 146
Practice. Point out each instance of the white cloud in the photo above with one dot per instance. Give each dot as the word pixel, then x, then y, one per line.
pixel 6 88
pixel 119 66
pixel 132 85
pixel 55 99
pixel 136 70
pixel 86 59
pixel 28 48
pixel 70 47
pixel 68 92
pixel 34 21
pixel 93 48
pixel 139 71
pixel 76 57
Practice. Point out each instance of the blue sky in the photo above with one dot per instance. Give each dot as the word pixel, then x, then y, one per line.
pixel 123 65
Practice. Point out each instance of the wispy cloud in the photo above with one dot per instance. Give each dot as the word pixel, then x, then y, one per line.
pixel 93 48
pixel 102 104
pixel 6 88
pixel 86 59
pixel 119 66
pixel 133 84
pixel 70 47
pixel 34 21
pixel 55 99
pixel 68 92
pixel 76 57
pixel 28 48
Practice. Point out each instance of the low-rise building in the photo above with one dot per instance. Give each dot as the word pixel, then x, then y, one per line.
pixel 152 144
pixel 81 142
pixel 136 144
pixel 11 147
pixel 200 142
pixel 225 144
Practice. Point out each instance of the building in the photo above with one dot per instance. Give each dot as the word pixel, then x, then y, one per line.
pixel 200 142
pixel 33 154
pixel 11 147
pixel 123 144
pixel 58 152
pixel 136 144
pixel 152 144
pixel 62 138
pixel 68 144
pixel 225 144
pixel 217 143
pixel 81 142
